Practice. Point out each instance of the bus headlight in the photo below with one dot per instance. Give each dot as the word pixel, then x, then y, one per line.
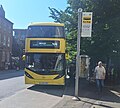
pixel 59 76
pixel 28 75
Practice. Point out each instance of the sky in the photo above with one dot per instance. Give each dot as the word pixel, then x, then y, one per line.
pixel 22 12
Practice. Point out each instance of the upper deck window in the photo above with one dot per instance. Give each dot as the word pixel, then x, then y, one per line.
pixel 45 31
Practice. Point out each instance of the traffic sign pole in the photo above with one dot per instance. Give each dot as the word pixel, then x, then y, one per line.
pixel 78 52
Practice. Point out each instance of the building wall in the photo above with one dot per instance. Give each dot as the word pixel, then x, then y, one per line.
pixel 6 28
pixel 19 36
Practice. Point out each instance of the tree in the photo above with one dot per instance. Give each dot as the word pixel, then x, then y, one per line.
pixel 105 40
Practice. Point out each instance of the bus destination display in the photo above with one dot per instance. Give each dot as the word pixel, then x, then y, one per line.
pixel 44 44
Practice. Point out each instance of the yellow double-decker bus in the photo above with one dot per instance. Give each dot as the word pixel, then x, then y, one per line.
pixel 45 54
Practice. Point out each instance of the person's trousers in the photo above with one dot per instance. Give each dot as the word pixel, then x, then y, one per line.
pixel 100 84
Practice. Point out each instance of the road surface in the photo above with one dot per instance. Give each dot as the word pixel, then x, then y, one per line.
pixel 15 94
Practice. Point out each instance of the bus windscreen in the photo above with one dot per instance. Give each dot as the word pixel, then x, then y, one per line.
pixel 42 62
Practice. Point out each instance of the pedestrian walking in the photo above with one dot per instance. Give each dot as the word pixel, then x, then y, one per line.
pixel 100 73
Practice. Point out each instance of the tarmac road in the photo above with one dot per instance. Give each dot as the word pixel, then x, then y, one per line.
pixel 15 94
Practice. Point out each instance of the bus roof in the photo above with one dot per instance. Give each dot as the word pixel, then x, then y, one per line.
pixel 45 24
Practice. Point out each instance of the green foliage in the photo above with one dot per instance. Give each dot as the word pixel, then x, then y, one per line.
pixel 105 40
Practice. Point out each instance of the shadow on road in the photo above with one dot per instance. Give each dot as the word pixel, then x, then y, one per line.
pixel 11 74
pixel 49 89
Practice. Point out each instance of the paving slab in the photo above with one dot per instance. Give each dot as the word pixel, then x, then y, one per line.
pixel 30 99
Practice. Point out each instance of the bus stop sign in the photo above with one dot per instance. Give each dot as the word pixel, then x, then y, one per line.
pixel 86 24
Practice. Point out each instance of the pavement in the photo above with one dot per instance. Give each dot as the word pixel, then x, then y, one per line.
pixel 28 98
pixel 89 96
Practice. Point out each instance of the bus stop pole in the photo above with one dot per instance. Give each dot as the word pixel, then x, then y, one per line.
pixel 78 52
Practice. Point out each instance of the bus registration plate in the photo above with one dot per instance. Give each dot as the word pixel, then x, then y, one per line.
pixel 44 83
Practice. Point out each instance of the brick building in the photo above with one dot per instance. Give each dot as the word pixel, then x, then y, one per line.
pixel 6 28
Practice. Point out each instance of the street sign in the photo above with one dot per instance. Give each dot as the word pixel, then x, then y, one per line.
pixel 86 24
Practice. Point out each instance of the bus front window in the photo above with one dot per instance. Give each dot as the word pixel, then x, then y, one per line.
pixel 38 62
pixel 45 31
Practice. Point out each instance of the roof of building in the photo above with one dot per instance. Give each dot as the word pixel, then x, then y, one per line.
pixel 2 14
pixel 1 7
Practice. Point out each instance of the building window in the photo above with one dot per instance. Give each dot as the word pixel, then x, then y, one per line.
pixel 0 38
pixel 8 57
pixel 0 24
pixel 8 41
pixel 4 26
pixel 4 41
pixel 3 56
